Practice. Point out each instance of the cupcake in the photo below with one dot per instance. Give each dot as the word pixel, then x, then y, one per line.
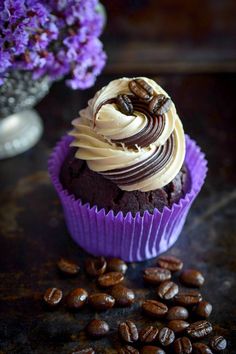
pixel 127 174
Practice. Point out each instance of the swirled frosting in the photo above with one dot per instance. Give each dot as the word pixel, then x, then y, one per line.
pixel 142 151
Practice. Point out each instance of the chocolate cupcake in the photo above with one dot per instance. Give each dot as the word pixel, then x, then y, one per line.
pixel 127 174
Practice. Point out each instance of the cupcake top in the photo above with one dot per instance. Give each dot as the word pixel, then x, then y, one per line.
pixel 131 134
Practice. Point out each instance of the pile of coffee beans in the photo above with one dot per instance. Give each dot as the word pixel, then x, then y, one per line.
pixel 182 313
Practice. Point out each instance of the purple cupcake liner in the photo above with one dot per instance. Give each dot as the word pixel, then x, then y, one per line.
pixel 132 238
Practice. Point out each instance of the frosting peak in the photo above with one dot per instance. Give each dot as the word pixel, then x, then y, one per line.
pixel 131 134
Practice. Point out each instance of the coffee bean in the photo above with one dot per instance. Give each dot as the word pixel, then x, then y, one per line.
pixel 188 298
pixel 170 262
pixel 192 277
pixel 166 336
pixel 76 298
pixel 199 329
pixel 148 334
pixel 95 266
pixel 159 104
pixel 68 267
pixel 218 343
pixel 110 279
pixel 154 308
pixel 124 297
pixel 97 328
pixel 128 331
pixel 167 290
pixel 128 350
pixel 201 348
pixel 116 265
pixel 101 301
pixel 125 105
pixel 149 349
pixel 178 326
pixel 203 309
pixel 52 296
pixel 83 351
pixel 141 89
pixel 182 346
pixel 177 313
pixel 156 275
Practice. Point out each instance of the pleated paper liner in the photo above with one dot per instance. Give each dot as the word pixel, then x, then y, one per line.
pixel 132 238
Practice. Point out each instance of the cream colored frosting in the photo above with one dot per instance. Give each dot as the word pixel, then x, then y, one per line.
pixel 99 124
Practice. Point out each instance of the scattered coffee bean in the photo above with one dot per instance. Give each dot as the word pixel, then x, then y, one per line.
pixel 182 346
pixel 156 275
pixel 159 104
pixel 110 279
pixel 101 301
pixel 128 350
pixel 95 266
pixel 178 326
pixel 203 309
pixel 116 265
pixel 68 267
pixel 166 336
pixel 154 308
pixel 124 297
pixel 188 298
pixel 52 296
pixel 128 331
pixel 141 89
pixel 201 348
pixel 97 328
pixel 192 277
pixel 125 105
pixel 177 313
pixel 76 298
pixel 83 351
pixel 167 290
pixel 148 334
pixel 218 343
pixel 170 262
pixel 150 349
pixel 199 329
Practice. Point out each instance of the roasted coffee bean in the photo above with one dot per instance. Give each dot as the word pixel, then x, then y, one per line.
pixel 183 346
pixel 154 308
pixel 124 297
pixel 192 277
pixel 178 326
pixel 166 336
pixel 177 313
pixel 167 290
pixel 97 328
pixel 76 298
pixel 188 298
pixel 156 275
pixel 83 351
pixel 159 104
pixel 110 279
pixel 148 334
pixel 141 89
pixel 201 348
pixel 170 262
pixel 101 301
pixel 218 343
pixel 68 267
pixel 116 265
pixel 95 266
pixel 203 309
pixel 128 331
pixel 128 350
pixel 199 329
pixel 150 349
pixel 52 296
pixel 125 105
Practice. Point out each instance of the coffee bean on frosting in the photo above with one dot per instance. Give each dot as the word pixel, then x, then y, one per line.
pixel 125 105
pixel 128 331
pixel 141 89
pixel 199 329
pixel 167 290
pixel 192 277
pixel 170 262
pixel 159 104
pixel 156 275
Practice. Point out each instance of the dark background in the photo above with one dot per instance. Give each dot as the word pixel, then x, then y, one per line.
pixel 189 48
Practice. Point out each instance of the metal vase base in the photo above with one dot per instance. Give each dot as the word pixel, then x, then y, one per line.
pixel 19 132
